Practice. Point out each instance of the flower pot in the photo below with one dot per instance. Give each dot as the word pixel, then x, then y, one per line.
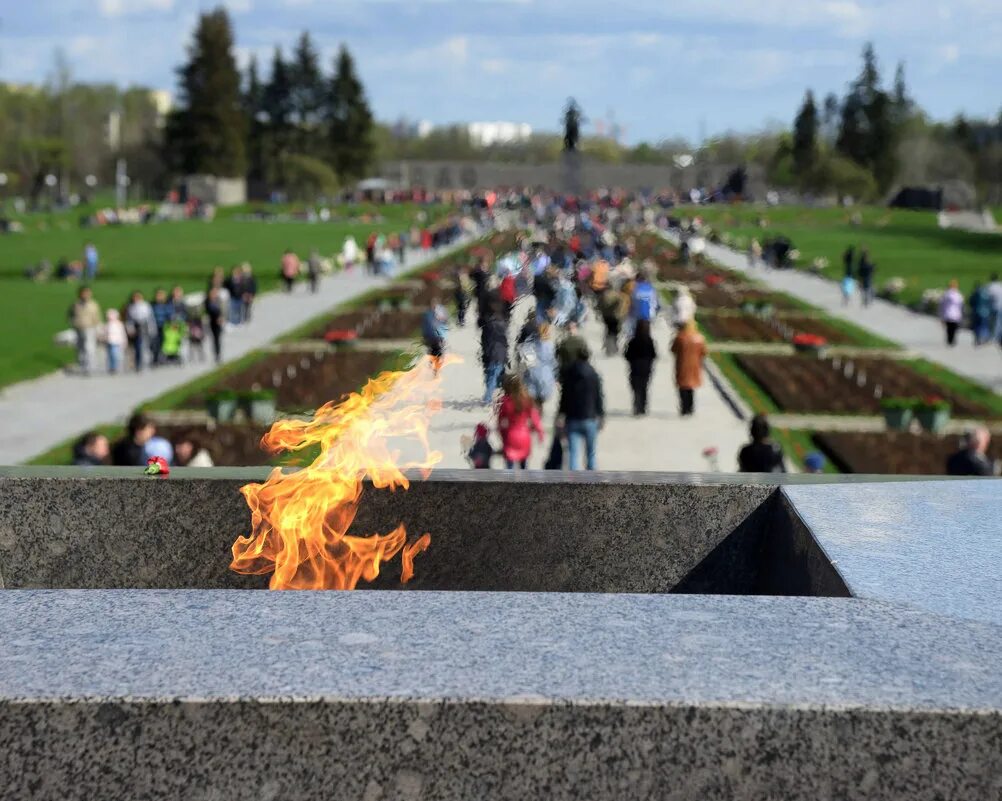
pixel 816 350
pixel 933 420
pixel 898 419
pixel 261 410
pixel 222 410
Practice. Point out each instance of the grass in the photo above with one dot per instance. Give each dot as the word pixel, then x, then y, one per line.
pixel 906 244
pixel 62 454
pixel 145 257
pixel 797 443
pixel 757 398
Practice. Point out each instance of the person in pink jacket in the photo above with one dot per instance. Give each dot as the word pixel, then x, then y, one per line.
pixel 518 417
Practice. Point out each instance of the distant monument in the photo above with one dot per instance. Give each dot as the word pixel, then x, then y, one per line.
pixel 571 158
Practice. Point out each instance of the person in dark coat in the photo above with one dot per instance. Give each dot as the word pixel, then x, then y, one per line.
pixel 641 354
pixel 761 455
pixel 494 349
pixel 973 459
pixel 129 451
pixel 582 409
pixel 866 270
pixel 217 321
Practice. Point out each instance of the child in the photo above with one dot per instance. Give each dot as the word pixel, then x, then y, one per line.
pixel 196 336
pixel 481 452
pixel 848 289
pixel 518 417
pixel 171 341
pixel 115 339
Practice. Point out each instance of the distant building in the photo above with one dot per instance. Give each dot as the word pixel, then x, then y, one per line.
pixel 163 102
pixel 483 134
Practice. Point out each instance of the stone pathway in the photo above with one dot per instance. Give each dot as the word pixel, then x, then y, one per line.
pixel 38 415
pixel 662 441
pixel 916 332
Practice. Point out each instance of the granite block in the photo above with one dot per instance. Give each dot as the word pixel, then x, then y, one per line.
pixel 544 532
pixel 934 545
pixel 188 694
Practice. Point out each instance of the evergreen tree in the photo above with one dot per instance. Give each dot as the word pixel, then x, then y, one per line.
pixel 903 106
pixel 256 133
pixel 277 107
pixel 206 134
pixel 307 85
pixel 805 136
pixel 830 118
pixel 869 129
pixel 350 122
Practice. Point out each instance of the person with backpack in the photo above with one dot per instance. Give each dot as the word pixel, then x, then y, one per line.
pixel 640 355
pixel 761 455
pixel 481 452
pixel 643 300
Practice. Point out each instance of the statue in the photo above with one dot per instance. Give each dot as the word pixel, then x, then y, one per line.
pixel 572 125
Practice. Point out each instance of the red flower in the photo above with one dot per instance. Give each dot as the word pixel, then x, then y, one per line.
pixel 341 335
pixel 708 452
pixel 157 466
pixel 713 280
pixel 809 340
pixel 431 277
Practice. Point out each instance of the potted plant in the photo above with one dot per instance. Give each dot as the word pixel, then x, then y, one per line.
pixel 809 343
pixel 259 405
pixel 898 412
pixel 222 405
pixel 933 413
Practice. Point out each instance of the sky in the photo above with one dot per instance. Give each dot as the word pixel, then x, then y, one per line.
pixel 663 68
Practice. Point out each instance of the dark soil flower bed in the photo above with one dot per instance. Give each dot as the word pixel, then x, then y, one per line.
pixel 373 324
pixel 805 384
pixel 749 328
pixel 893 453
pixel 725 296
pixel 303 381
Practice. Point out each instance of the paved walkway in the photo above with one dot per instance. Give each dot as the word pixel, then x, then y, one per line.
pixel 661 441
pixel 38 415
pixel 916 332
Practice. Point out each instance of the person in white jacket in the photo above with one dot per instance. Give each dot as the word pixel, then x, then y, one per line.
pixel 115 339
pixel 683 309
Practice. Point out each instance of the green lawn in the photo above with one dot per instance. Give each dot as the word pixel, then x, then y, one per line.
pixel 906 244
pixel 145 257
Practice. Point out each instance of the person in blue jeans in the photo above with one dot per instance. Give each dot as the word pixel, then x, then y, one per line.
pixel 494 350
pixel 582 409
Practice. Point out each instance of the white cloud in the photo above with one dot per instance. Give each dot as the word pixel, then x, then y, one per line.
pixel 124 8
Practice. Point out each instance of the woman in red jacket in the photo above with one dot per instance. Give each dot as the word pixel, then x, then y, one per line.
pixel 518 417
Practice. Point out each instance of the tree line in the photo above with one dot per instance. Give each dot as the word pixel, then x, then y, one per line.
pixel 299 129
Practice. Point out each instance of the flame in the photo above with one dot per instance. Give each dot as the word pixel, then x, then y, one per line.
pixel 300 519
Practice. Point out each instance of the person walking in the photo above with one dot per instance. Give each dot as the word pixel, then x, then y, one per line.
pixel 995 293
pixel 313 270
pixel 493 349
pixel 683 308
pixel 951 311
pixel 972 459
pixel 611 307
pixel 178 305
pixel 980 303
pixel 250 291
pixel 518 417
pixel 85 317
pixel 640 355
pixel 434 327
pixel 115 339
pixel 91 261
pixel 215 311
pixel 235 286
pixel 866 270
pixel 141 328
pixel 290 269
pixel 582 409
pixel 538 356
pixel 689 349
pixel 761 455
pixel 461 296
pixel 643 300
pixel 161 315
